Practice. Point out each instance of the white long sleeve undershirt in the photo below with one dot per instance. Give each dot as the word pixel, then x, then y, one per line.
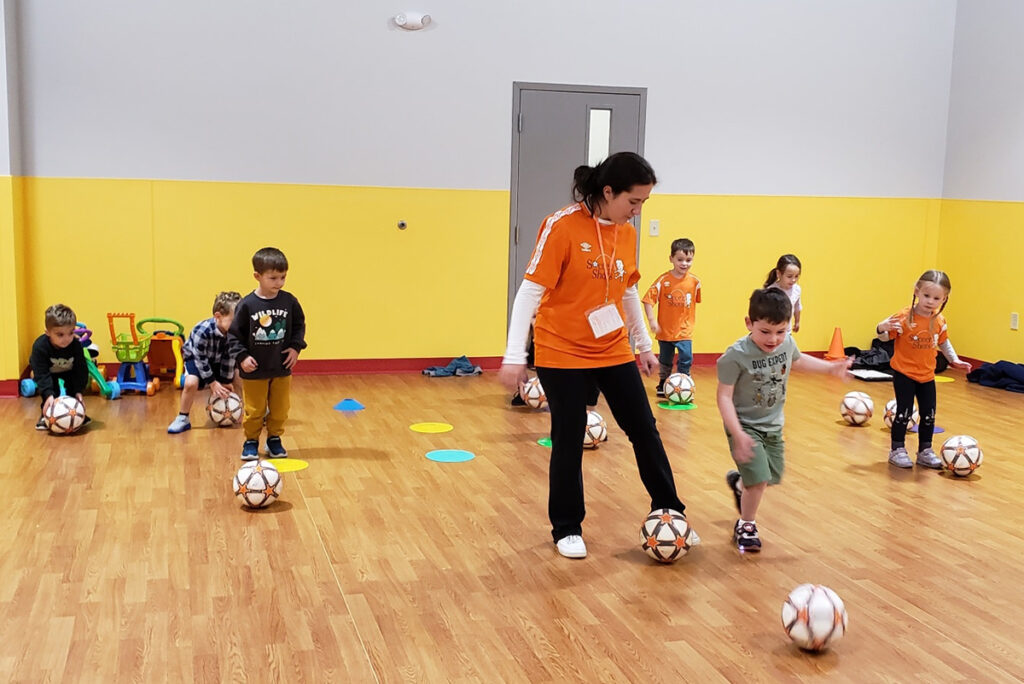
pixel 524 308
pixel 635 319
pixel 947 350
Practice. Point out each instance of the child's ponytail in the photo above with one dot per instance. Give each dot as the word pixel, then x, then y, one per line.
pixel 784 262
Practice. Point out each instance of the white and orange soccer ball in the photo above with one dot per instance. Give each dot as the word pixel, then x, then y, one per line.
pixel 666 536
pixel 679 388
pixel 856 408
pixel 596 431
pixel 890 415
pixel 257 484
pixel 533 394
pixel 961 455
pixel 225 411
pixel 814 617
pixel 65 415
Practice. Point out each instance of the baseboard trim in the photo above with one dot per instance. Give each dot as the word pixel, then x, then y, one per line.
pixel 9 388
pixel 382 366
pixel 975 363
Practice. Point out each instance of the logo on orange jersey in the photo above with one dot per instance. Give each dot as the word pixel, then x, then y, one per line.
pixel 586 247
pixel 678 298
pixel 618 269
pixel 922 340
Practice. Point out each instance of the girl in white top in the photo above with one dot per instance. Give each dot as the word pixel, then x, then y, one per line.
pixel 784 276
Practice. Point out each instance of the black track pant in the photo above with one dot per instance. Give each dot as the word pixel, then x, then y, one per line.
pixel 567 394
pixel 906 390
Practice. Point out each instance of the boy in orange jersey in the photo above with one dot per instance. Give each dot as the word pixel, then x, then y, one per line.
pixel 676 293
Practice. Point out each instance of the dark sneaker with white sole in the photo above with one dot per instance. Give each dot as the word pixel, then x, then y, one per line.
pixel 275 449
pixel 746 537
pixel 250 450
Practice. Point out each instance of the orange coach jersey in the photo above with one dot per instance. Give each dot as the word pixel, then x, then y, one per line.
pixel 676 299
pixel 567 260
pixel 915 348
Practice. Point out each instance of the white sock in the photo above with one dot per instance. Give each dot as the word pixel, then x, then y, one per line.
pixel 744 522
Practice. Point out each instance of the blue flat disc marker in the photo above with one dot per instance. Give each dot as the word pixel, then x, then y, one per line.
pixel 937 429
pixel 450 455
pixel 348 405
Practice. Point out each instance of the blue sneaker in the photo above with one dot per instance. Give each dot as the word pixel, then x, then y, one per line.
pixel 250 450
pixel 275 449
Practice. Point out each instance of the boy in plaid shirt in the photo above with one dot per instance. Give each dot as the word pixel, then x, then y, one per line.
pixel 207 361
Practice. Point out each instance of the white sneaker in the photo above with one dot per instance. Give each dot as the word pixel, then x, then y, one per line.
pixel 572 546
pixel 179 425
pixel 694 537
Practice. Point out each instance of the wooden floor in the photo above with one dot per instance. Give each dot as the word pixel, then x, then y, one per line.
pixel 127 559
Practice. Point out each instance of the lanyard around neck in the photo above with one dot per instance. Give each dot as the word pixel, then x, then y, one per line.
pixel 604 263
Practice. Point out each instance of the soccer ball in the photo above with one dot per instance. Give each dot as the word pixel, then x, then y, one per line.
pixel 533 394
pixel 961 455
pixel 257 484
pixel 856 408
pixel 65 415
pixel 665 535
pixel 596 432
pixel 225 412
pixel 890 415
pixel 814 617
pixel 679 388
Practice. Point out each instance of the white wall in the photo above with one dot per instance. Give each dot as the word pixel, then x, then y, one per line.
pixel 9 163
pixel 985 148
pixel 790 97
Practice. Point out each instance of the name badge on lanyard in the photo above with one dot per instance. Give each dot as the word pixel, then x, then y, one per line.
pixel 605 319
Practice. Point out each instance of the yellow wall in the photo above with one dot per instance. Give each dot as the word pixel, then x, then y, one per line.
pixel 860 258
pixel 164 248
pixel 13 348
pixel 981 248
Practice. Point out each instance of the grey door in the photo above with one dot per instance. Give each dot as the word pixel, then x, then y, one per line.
pixel 555 129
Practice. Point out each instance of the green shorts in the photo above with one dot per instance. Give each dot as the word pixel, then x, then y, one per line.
pixel 769 457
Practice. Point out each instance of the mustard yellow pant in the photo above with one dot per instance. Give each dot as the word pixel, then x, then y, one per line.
pixel 261 393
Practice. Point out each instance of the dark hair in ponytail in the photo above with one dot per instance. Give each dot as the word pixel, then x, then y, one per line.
pixel 620 172
pixel 785 261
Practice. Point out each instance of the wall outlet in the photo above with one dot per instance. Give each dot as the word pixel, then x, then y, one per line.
pixel 1014 321
pixel 655 225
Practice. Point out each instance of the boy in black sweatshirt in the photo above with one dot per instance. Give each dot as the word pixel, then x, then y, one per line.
pixel 266 337
pixel 58 355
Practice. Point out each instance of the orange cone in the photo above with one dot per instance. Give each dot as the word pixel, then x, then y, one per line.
pixel 835 350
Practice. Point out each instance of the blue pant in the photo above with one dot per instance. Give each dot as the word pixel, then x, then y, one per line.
pixel 667 350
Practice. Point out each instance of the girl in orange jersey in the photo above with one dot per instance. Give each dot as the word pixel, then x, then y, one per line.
pixel 919 331
pixel 581 283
